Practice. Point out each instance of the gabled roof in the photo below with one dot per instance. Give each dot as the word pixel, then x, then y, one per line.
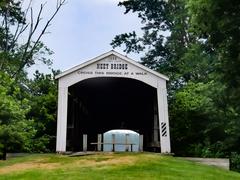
pixel 112 52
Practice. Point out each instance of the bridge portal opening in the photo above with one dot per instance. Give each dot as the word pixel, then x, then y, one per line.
pixel 97 105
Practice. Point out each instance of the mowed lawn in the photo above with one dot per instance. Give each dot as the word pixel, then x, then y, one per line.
pixel 109 166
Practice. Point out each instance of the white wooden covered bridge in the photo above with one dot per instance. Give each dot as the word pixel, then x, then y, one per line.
pixel 109 92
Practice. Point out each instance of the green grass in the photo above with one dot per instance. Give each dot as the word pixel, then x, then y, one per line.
pixel 109 166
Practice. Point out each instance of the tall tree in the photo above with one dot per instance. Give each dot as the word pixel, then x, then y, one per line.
pixel 14 128
pixel 220 32
pixel 165 33
pixel 170 47
pixel 19 128
pixel 43 110
pixel 16 23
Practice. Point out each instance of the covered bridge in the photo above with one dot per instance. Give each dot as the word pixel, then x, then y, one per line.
pixel 108 92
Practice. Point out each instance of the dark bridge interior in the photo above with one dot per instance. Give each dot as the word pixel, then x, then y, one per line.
pixel 97 105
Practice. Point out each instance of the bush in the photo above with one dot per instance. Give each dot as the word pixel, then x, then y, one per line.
pixel 207 150
pixel 235 161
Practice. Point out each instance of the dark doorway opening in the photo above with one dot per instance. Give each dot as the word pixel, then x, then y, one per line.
pixel 97 105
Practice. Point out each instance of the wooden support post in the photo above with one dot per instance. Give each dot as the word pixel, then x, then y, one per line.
pixel 141 143
pixel 99 145
pixel 126 142
pixel 163 119
pixel 156 130
pixel 113 142
pixel 84 142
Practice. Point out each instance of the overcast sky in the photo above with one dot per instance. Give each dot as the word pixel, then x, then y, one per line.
pixel 83 29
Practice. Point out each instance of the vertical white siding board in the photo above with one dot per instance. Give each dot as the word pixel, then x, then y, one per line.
pixel 58 146
pixel 163 118
pixel 62 117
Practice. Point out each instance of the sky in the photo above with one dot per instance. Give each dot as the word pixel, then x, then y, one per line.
pixel 84 29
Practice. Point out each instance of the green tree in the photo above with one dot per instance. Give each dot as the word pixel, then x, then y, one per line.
pixel 199 113
pixel 43 110
pixel 217 24
pixel 15 57
pixel 14 128
pixel 165 34
pixel 24 125
pixel 221 33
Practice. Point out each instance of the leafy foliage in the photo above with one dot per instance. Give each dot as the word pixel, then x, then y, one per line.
pixel 27 107
pixel 43 90
pixel 13 125
pixel 235 161
pixel 15 57
pixel 195 43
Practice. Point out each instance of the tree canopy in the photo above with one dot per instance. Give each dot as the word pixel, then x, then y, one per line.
pixel 195 43
pixel 27 106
